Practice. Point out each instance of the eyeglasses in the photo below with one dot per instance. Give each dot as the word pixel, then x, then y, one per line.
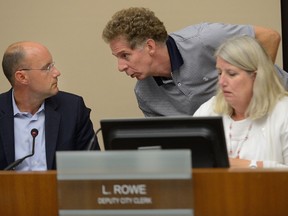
pixel 49 68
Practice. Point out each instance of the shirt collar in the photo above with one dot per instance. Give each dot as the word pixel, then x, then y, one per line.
pixel 175 59
pixel 18 112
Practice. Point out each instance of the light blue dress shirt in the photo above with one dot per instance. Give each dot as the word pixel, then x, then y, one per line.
pixel 24 122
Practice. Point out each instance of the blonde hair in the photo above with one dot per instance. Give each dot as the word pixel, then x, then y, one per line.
pixel 247 54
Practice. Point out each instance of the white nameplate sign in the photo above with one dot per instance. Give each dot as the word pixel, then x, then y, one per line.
pixel 125 183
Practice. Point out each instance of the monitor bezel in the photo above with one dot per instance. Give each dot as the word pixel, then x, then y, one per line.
pixel 193 126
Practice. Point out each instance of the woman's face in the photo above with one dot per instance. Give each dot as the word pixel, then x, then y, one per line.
pixel 236 84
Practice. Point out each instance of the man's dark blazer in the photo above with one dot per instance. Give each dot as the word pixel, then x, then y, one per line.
pixel 67 127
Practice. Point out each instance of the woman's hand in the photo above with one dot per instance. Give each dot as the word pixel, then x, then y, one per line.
pixel 242 163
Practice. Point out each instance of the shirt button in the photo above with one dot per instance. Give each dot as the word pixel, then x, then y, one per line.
pixel 178 84
pixel 35 163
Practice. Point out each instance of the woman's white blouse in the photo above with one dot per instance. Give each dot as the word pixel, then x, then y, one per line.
pixel 268 138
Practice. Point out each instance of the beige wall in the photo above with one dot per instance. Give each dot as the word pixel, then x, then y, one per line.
pixel 71 29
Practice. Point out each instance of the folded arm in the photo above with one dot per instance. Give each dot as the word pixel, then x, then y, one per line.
pixel 270 40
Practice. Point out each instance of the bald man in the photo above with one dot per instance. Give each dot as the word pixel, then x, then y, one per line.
pixel 34 101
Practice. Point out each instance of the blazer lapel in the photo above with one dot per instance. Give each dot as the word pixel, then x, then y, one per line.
pixel 52 122
pixel 7 126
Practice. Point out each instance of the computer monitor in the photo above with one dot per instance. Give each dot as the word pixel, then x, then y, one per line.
pixel 204 136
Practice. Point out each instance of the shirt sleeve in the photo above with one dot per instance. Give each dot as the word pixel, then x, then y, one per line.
pixel 214 34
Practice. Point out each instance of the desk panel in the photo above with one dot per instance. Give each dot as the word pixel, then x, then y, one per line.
pixel 28 193
pixel 216 192
pixel 240 192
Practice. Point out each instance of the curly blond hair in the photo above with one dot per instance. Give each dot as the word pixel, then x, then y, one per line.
pixel 135 24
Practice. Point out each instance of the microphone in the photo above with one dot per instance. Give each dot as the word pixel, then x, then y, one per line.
pixel 12 166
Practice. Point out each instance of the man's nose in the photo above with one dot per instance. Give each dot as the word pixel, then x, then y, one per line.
pixel 122 66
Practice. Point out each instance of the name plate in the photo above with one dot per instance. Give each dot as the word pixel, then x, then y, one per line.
pixel 125 183
pixel 125 194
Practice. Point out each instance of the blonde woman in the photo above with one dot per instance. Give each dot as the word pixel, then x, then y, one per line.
pixel 253 103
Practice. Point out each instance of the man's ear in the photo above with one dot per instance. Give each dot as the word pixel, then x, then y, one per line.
pixel 21 77
pixel 151 45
